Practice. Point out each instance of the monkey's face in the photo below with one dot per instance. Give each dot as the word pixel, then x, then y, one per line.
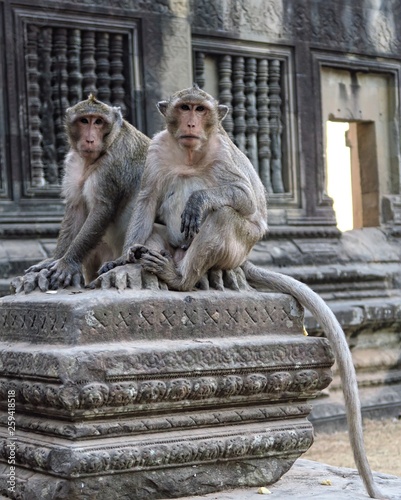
pixel 191 123
pixel 89 132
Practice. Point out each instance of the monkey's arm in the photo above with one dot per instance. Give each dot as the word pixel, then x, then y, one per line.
pixel 143 217
pixel 73 220
pixel 64 270
pixel 238 195
pixel 140 226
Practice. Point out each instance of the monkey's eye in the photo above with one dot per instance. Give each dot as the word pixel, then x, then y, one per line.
pixel 185 107
pixel 84 120
pixel 200 108
pixel 98 121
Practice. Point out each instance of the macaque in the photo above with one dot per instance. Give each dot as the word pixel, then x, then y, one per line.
pixel 204 192
pixel 102 174
pixel 212 205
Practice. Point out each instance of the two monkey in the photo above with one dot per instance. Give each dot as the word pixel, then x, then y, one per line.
pixel 199 208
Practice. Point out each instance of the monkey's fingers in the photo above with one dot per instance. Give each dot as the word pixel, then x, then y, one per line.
pixel 203 283
pixel 46 264
pixel 108 280
pixel 43 281
pixel 105 281
pixel 241 279
pixel 30 282
pixel 78 280
pixel 149 280
pixel 66 279
pixel 56 279
pixel 190 223
pixel 216 279
pixel 153 263
pixel 120 280
pixel 134 276
pixel 230 280
pixel 108 266
pixel 17 285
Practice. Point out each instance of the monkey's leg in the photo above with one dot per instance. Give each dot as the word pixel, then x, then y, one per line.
pixel 223 242
pixel 99 255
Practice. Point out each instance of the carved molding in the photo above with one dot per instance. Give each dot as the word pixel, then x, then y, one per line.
pixel 95 395
pixel 131 361
pixel 198 449
pixel 168 422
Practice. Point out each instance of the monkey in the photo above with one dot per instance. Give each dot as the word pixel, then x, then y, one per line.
pixel 102 173
pixel 199 178
pixel 213 208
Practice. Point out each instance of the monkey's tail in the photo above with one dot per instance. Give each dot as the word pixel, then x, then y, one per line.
pixel 320 310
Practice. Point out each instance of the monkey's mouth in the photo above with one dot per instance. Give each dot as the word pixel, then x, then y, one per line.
pixel 88 152
pixel 190 137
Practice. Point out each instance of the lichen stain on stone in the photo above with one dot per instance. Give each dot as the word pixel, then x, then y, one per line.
pixel 91 320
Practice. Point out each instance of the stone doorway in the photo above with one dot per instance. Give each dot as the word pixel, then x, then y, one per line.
pixel 352 173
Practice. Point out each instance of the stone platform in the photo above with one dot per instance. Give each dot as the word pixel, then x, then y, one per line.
pixel 153 394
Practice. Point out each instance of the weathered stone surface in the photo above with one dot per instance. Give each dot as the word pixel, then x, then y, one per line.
pixel 154 394
pixel 305 480
pixel 88 317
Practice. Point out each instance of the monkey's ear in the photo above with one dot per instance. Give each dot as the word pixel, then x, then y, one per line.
pixel 162 107
pixel 118 115
pixel 222 111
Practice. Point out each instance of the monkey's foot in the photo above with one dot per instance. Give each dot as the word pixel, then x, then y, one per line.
pixel 108 266
pixel 128 276
pixel 229 279
pixel 30 281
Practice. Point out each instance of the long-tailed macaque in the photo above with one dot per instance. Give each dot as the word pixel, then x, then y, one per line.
pixel 213 207
pixel 103 169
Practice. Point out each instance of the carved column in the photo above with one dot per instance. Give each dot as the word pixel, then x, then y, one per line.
pixel 200 69
pixel 103 67
pixel 37 170
pixel 239 100
pixel 251 121
pixel 74 66
pixel 88 63
pixel 116 68
pixel 225 92
pixel 60 88
pixel 47 122
pixel 275 126
pixel 264 128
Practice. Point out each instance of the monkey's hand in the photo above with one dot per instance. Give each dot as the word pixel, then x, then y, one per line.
pixel 193 214
pixel 108 266
pixel 30 282
pixel 45 264
pixel 63 273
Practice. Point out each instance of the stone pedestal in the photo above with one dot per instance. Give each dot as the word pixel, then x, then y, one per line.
pixel 149 394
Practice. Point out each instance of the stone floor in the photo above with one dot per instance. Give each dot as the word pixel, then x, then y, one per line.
pixel 304 482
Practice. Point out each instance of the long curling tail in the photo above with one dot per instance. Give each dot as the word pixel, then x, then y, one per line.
pixel 316 305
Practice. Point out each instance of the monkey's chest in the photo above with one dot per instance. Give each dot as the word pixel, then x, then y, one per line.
pixel 173 203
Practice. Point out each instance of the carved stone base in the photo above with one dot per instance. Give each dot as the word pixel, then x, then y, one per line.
pixel 153 394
